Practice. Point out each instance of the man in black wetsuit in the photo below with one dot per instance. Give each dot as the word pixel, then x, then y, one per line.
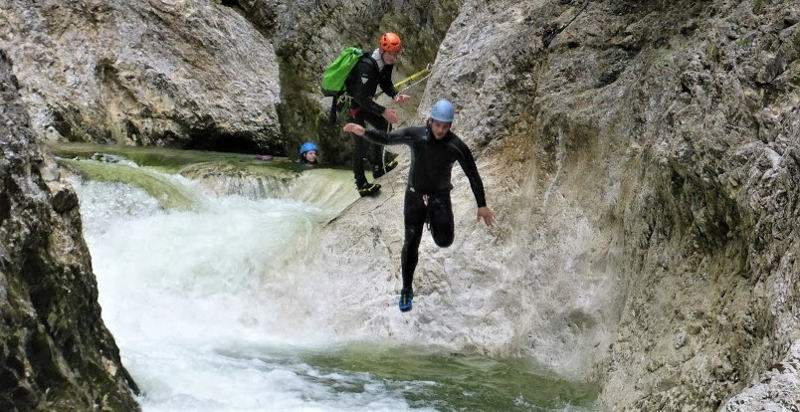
pixel 371 71
pixel 434 149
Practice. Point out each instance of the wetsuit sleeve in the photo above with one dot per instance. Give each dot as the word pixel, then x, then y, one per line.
pixel 358 89
pixel 400 136
pixel 386 82
pixel 467 163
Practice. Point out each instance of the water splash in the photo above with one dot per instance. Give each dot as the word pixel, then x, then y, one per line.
pixel 195 299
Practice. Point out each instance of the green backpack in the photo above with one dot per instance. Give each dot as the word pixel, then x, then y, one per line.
pixel 335 75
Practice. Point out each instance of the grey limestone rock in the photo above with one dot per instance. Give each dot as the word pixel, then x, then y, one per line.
pixel 178 73
pixel 55 352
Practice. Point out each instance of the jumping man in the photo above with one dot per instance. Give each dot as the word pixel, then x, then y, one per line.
pixel 434 149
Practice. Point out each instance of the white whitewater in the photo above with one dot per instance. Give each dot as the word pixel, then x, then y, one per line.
pixel 196 300
pixel 181 291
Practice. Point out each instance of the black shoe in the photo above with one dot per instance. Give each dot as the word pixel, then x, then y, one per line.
pixel 369 189
pixel 387 167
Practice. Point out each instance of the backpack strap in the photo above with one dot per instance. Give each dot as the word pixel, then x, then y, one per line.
pixel 334 108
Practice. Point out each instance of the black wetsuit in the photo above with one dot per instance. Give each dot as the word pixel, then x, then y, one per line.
pixel 429 179
pixel 361 84
pixel 303 162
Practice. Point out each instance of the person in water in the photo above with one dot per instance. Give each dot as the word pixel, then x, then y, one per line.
pixel 308 154
pixel 371 71
pixel 434 149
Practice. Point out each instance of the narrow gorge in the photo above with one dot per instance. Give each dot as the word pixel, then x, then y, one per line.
pixel 642 158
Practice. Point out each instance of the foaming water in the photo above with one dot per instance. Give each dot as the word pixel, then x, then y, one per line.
pixel 176 286
pixel 191 298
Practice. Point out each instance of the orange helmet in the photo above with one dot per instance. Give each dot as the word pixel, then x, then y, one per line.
pixel 390 42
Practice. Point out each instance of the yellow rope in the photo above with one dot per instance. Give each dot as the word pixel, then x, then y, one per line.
pixel 411 78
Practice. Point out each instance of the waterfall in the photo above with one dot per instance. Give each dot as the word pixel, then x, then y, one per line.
pixel 196 299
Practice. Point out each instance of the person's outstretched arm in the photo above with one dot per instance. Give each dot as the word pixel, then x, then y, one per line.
pixel 388 87
pixel 467 163
pixel 401 136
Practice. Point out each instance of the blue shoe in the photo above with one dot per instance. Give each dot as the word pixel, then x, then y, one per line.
pixel 406 296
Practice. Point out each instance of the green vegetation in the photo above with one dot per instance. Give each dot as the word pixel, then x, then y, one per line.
pixel 712 51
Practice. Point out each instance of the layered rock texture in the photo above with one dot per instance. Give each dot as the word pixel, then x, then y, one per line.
pixel 642 157
pixel 177 73
pixel 643 161
pixel 55 352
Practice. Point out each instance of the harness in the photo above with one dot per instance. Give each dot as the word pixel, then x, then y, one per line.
pixel 426 201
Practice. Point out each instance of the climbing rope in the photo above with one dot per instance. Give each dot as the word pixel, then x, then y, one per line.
pixel 418 82
pixel 383 153
pixel 417 78
pixel 412 78
pixel 547 39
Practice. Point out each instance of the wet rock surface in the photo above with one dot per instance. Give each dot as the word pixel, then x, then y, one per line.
pixel 55 352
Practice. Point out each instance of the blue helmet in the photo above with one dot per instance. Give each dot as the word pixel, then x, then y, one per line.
pixel 443 111
pixel 307 147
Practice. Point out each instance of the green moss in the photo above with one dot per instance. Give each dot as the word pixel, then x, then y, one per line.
pixel 169 196
pixel 797 41
pixel 745 42
pixel 712 51
pixel 173 160
pixel 298 114
pixel 758 6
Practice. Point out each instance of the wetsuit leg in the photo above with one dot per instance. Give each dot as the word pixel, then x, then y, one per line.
pixel 359 151
pixel 374 152
pixel 414 212
pixel 440 213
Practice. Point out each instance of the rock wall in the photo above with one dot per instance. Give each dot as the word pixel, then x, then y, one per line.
pixel 55 352
pixel 178 73
pixel 643 164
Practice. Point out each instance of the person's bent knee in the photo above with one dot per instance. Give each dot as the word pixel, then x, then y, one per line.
pixel 443 241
